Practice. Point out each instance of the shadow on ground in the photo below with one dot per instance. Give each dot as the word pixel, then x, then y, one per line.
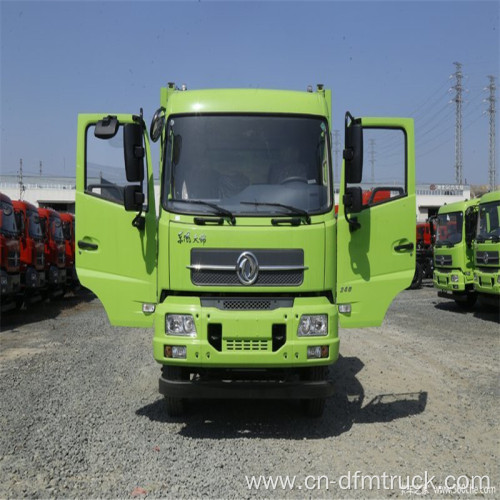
pixel 45 309
pixel 215 419
pixel 479 310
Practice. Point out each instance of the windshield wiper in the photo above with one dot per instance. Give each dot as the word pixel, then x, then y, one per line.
pixel 292 210
pixel 219 210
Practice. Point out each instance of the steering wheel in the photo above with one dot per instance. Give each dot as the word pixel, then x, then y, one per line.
pixel 294 178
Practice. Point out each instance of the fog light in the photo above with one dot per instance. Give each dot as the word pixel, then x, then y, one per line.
pixel 180 324
pixel 455 287
pixel 454 278
pixel 345 308
pixel 148 308
pixel 313 325
pixel 175 351
pixel 318 352
pixel 314 352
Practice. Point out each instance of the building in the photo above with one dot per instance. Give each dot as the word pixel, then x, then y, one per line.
pixel 59 193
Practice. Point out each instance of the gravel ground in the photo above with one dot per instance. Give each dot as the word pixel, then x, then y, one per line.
pixel 81 417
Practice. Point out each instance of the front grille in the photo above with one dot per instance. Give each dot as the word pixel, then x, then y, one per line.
pixel 218 267
pixel 442 260
pixel 487 258
pixel 247 303
pixel 13 258
pixel 246 345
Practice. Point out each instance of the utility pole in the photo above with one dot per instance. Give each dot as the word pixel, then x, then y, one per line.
pixel 336 151
pixel 372 160
pixel 20 182
pixel 458 123
pixel 492 169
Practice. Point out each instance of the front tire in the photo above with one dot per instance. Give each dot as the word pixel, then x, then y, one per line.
pixel 314 408
pixel 176 407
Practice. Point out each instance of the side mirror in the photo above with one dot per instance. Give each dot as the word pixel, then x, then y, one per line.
pixel 470 225
pixel 133 198
pixel 353 149
pixel 106 128
pixel 134 152
pixel 157 124
pixel 353 200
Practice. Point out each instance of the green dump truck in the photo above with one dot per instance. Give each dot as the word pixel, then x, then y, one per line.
pixel 487 249
pixel 453 252
pixel 246 273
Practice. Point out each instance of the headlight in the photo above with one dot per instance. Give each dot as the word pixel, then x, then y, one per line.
pixel 498 279
pixel 4 280
pixel 180 324
pixel 313 325
pixel 476 277
pixel 454 278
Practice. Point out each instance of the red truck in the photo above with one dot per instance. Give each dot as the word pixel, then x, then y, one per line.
pixel 10 277
pixel 68 227
pixel 32 250
pixel 55 250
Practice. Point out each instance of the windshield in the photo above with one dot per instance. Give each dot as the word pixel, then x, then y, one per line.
pixel 248 165
pixel 35 229
pixel 8 222
pixel 56 229
pixel 449 228
pixel 488 226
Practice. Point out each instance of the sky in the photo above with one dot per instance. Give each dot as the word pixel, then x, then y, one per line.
pixel 390 58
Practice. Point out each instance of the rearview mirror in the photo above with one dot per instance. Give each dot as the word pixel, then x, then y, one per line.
pixel 134 152
pixel 353 150
pixel 106 128
pixel 133 198
pixel 353 200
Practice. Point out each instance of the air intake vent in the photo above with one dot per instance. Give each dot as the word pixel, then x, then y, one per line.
pixel 246 344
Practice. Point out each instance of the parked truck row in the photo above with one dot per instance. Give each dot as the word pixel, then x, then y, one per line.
pixel 467 249
pixel 37 253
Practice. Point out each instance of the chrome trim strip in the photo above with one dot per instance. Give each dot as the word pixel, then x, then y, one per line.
pixel 205 267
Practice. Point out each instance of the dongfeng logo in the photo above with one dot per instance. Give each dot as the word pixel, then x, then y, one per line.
pixel 247 268
pixel 486 257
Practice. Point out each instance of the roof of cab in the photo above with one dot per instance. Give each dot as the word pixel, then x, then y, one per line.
pixel 245 101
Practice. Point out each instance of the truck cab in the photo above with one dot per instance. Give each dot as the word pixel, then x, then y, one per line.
pixel 10 284
pixel 453 252
pixel 32 250
pixel 55 252
pixel 487 249
pixel 246 273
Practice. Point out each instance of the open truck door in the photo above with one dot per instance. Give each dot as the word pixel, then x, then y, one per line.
pixel 375 235
pixel 116 216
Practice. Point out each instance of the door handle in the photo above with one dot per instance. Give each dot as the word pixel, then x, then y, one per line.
pixel 404 246
pixel 85 245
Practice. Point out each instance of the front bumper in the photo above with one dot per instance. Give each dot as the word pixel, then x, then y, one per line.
pixel 246 335
pixel 225 389
pixel 487 282
pixel 56 276
pixel 10 284
pixel 442 281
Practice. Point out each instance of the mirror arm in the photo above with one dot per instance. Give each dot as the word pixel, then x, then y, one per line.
pixel 353 223
pixel 139 221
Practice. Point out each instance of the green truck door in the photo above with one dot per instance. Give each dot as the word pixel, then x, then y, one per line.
pixel 114 259
pixel 376 261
